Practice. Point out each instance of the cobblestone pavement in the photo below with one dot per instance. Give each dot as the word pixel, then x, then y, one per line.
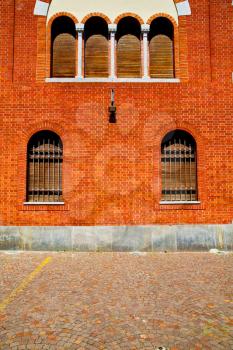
pixel 116 301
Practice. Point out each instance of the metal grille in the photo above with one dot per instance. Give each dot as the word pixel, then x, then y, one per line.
pixel 45 155
pixel 179 167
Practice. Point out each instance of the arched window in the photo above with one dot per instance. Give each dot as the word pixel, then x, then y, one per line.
pixel 44 167
pixel 128 48
pixel 96 48
pixel 63 45
pixel 161 38
pixel 178 155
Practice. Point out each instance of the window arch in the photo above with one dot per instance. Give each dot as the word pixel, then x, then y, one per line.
pixel 128 48
pixel 178 156
pixel 63 47
pixel 44 167
pixel 96 47
pixel 161 47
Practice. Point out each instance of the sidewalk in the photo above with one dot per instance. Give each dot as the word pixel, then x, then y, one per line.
pixel 113 301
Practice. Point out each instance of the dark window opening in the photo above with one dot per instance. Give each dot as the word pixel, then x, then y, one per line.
pixel 63 47
pixel 44 168
pixel 161 47
pixel 179 168
pixel 96 48
pixel 128 38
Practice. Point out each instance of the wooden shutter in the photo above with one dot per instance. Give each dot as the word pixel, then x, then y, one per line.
pixel 64 55
pixel 96 56
pixel 129 57
pixel 179 171
pixel 161 57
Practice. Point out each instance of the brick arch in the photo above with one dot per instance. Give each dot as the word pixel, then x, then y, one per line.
pixel 22 152
pixel 48 38
pixel 37 127
pixel 192 129
pixel 60 14
pixel 96 14
pixel 201 143
pixel 129 14
pixel 176 39
pixel 165 15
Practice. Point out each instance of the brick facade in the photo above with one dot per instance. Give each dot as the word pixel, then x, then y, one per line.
pixel 111 172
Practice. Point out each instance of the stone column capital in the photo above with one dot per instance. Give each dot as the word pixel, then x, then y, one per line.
pixel 145 28
pixel 79 27
pixel 112 28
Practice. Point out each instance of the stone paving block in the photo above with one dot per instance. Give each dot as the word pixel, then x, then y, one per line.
pixel 109 301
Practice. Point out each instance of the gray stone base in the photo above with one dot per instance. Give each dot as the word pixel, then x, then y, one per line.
pixel 118 238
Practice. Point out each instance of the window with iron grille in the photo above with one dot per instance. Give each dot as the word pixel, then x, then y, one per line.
pixel 179 168
pixel 44 167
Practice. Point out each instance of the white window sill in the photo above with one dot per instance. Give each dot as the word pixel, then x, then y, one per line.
pixel 110 80
pixel 44 203
pixel 179 202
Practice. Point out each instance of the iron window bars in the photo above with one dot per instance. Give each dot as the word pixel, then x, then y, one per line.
pixel 44 178
pixel 178 155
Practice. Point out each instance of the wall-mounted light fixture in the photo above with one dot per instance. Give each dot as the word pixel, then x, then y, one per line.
pixel 112 108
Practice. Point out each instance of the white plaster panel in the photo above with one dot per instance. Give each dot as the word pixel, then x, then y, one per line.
pixel 183 8
pixel 145 9
pixel 41 8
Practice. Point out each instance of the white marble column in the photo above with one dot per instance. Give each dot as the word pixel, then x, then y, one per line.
pixel 112 30
pixel 145 28
pixel 80 30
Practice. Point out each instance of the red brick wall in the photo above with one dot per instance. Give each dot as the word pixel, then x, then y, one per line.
pixel 112 171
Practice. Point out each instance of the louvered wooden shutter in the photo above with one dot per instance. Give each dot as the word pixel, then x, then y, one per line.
pixel 129 57
pixel 64 54
pixel 96 56
pixel 161 57
pixel 179 171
